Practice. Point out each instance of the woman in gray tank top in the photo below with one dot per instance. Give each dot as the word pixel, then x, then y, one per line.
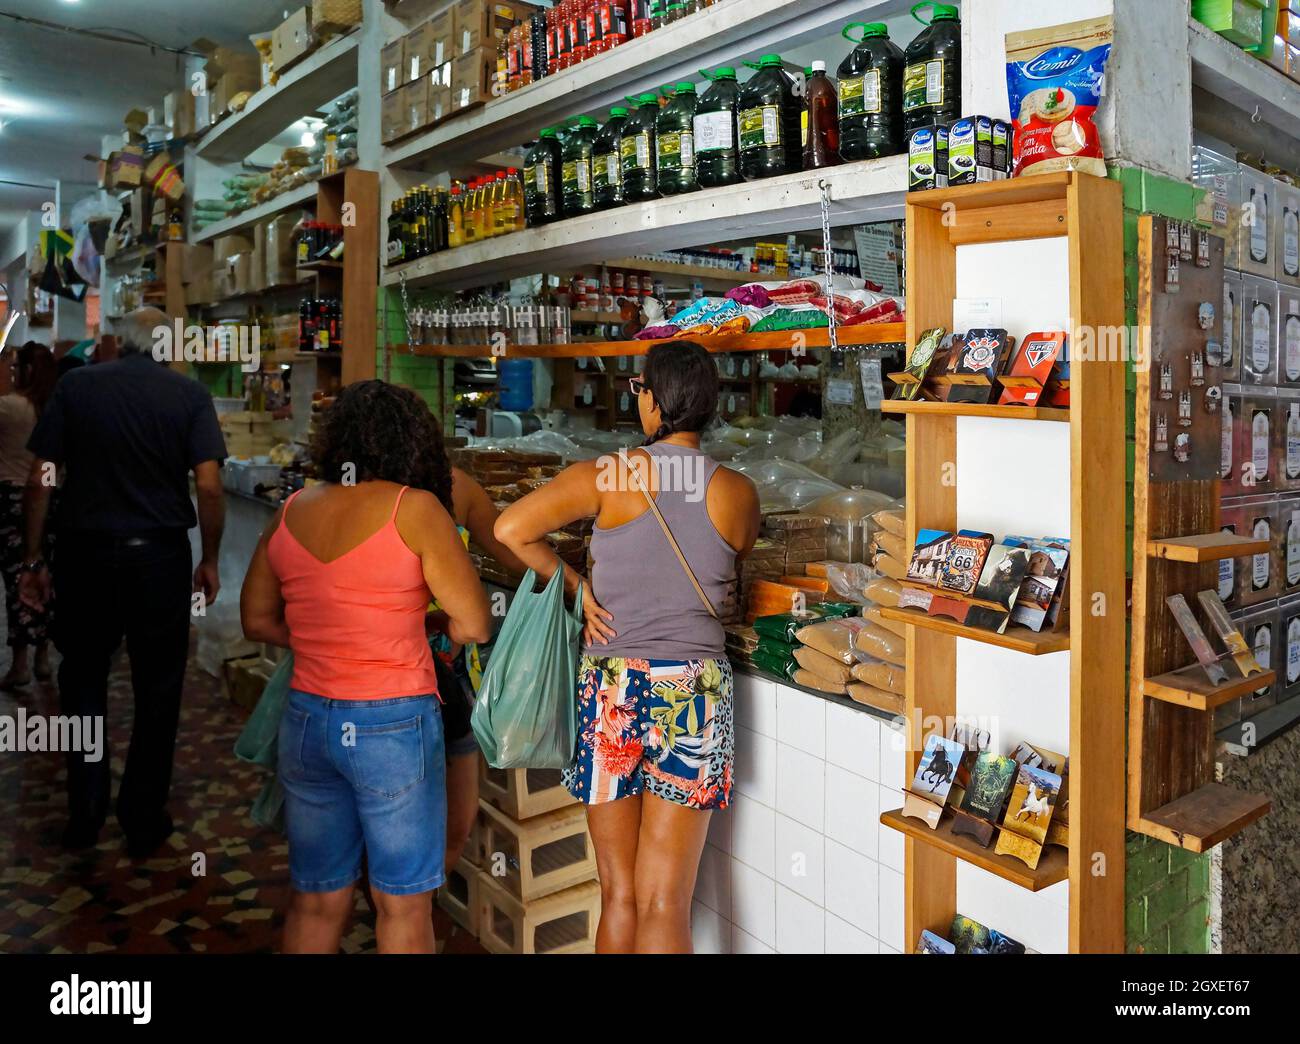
pixel 655 732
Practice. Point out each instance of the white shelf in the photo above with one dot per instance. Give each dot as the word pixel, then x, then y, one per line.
pixel 298 197
pixel 723 34
pixel 868 190
pixel 317 79
pixel 1236 77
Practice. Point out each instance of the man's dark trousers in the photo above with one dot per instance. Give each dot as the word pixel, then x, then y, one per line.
pixel 108 588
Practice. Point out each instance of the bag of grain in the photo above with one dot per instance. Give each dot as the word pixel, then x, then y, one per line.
pixel 826 667
pixel 878 642
pixel 881 675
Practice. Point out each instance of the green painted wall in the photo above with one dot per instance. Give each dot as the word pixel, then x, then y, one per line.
pixel 1167 889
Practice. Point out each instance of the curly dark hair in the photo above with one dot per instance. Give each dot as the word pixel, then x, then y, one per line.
pixel 380 431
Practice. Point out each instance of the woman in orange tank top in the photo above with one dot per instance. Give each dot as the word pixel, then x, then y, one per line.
pixel 343 576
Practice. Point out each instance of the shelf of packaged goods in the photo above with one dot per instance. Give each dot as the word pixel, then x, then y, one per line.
pixel 876 333
pixel 316 80
pixel 673 269
pixel 1208 815
pixel 865 191
pixel 1016 638
pixel 1251 87
pixel 1205 547
pixel 722 34
pixel 1190 687
pixel 924 408
pixel 298 197
pixel 1053 864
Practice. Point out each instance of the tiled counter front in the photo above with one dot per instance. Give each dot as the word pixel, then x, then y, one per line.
pixel 800 862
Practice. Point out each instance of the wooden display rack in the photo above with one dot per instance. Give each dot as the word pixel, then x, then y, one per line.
pixel 1087 210
pixel 1172 793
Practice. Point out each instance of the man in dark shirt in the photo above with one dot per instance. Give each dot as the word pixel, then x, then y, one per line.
pixel 128 432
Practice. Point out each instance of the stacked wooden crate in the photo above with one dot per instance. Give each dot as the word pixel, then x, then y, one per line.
pixel 528 881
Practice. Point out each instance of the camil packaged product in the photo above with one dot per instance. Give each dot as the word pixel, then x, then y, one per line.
pixel 1055 80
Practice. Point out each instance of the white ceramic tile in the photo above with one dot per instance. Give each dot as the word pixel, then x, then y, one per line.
pixel 755 773
pixel 853 740
pixel 853 888
pixel 891 910
pixel 801 859
pixel 842 937
pixel 713 881
pixel 710 931
pixel 753 835
pixel 890 850
pixel 720 827
pixel 801 786
pixel 755 703
pixel 801 720
pixel 893 758
pixel 800 924
pixel 852 811
pixel 744 943
pixel 753 902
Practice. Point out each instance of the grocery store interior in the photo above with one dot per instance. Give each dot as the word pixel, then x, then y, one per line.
pixel 1003 300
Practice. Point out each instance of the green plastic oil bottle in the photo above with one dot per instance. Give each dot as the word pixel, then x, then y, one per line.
pixel 932 70
pixel 606 170
pixel 637 151
pixel 542 179
pixel 675 142
pixel 769 122
pixel 717 156
pixel 871 99
pixel 576 192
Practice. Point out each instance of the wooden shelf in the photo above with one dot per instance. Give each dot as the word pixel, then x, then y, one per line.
pixel 862 191
pixel 318 79
pixel 923 408
pixel 321 266
pixel 297 198
pixel 1205 817
pixel 779 340
pixel 1017 638
pixel 1189 687
pixel 1205 547
pixel 1053 865
pixel 734 277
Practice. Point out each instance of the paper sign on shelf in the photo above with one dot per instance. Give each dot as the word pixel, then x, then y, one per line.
pixel 839 392
pixel 873 388
pixel 976 313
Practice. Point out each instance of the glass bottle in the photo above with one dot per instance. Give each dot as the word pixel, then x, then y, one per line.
pixel 821 140
pixel 456 216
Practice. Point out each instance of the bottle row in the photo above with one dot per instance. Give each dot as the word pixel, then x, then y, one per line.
pixel 575 30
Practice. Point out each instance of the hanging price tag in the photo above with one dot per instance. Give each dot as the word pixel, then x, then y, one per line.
pixel 873 388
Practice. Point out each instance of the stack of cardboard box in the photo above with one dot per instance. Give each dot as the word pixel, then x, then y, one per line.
pixel 445 65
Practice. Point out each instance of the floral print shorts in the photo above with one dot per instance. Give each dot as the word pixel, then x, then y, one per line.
pixel 660 726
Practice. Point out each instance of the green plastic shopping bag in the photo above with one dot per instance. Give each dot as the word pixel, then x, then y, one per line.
pixel 526 714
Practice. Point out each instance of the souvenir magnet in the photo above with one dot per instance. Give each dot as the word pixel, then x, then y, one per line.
pixel 1197 369
pixel 1182 447
pixel 1205 315
pixel 1213 395
pixel 1166 381
pixel 1184 241
pixel 1162 434
pixel 1184 409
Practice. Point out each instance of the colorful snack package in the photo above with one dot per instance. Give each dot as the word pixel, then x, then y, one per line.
pixel 1055 78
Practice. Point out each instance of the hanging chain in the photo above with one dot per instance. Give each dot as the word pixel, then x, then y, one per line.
pixel 824 185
